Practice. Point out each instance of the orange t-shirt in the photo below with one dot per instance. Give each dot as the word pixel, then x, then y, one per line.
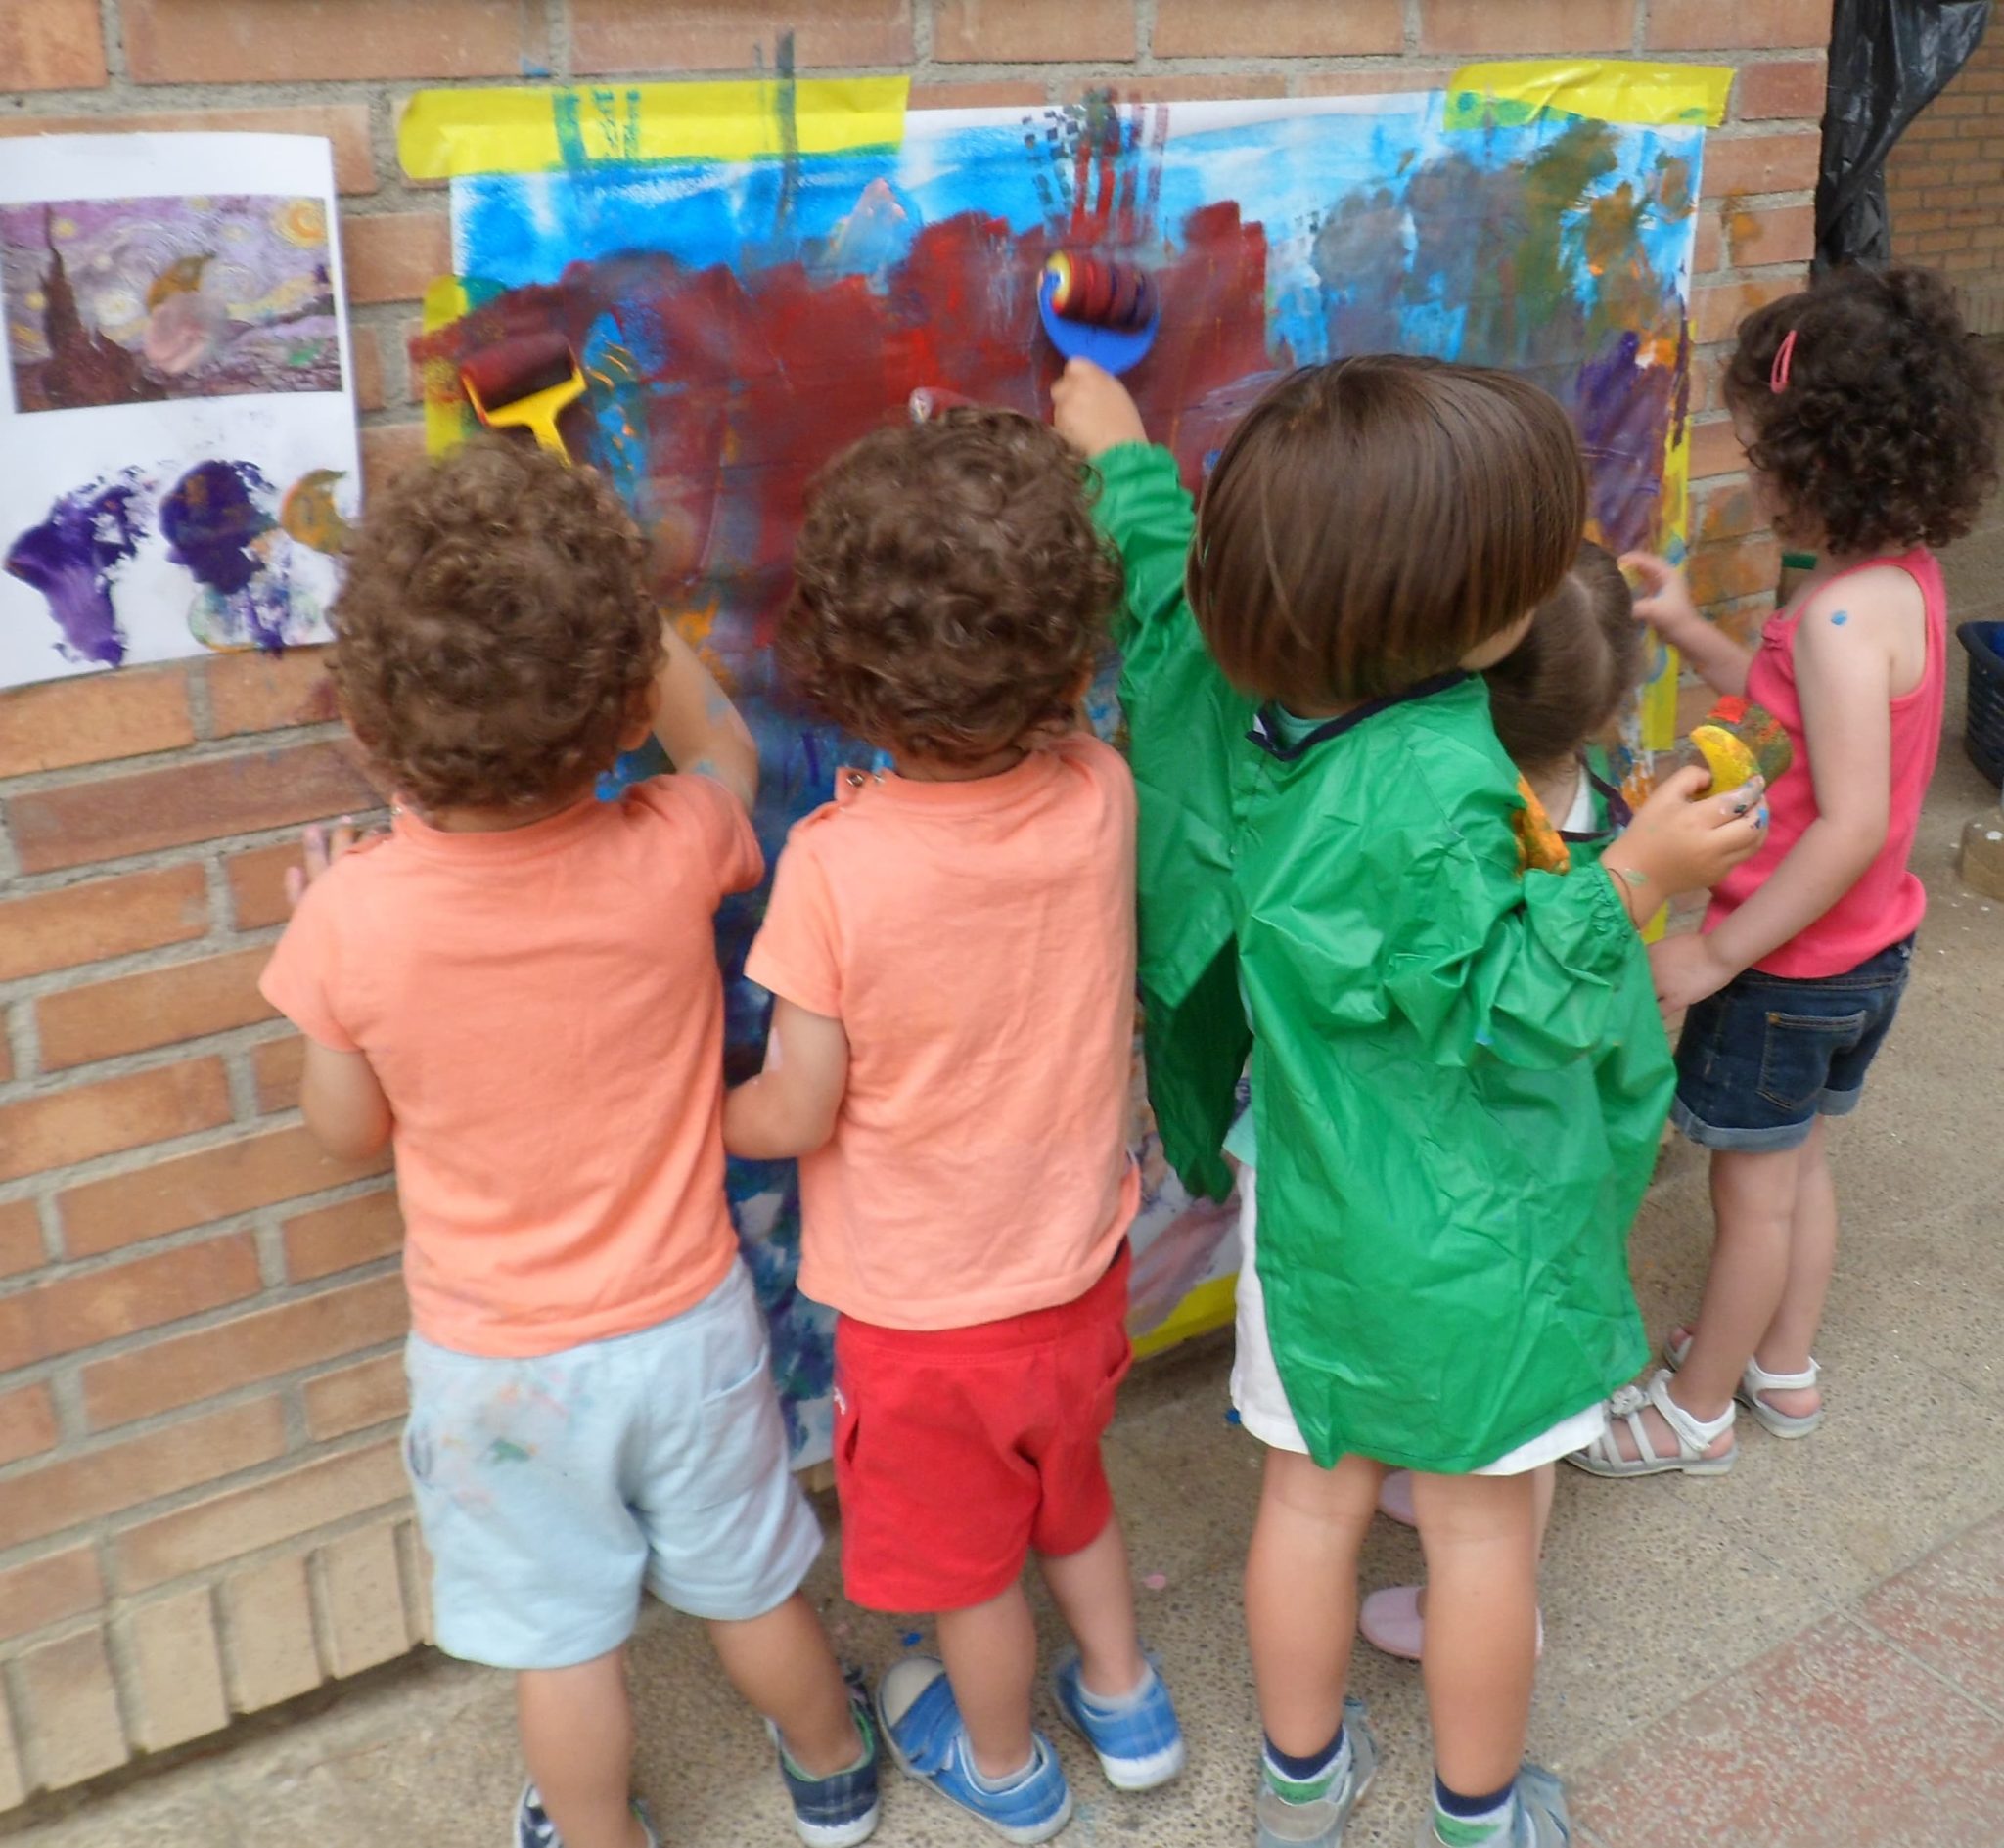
pixel 543 1009
pixel 976 942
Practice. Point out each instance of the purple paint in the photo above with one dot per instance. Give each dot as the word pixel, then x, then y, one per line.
pixel 210 521
pixel 1625 409
pixel 73 557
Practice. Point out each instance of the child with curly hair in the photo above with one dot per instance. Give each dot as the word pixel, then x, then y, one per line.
pixel 517 989
pixel 1869 417
pixel 950 945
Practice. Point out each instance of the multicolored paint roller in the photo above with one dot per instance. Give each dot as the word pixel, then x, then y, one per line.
pixel 1740 740
pixel 1096 309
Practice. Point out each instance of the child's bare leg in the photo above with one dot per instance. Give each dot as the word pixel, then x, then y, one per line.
pixel 577 1735
pixel 783 1666
pixel 1302 1592
pixel 1480 1535
pixel 1786 1346
pixel 990 1653
pixel 1095 1590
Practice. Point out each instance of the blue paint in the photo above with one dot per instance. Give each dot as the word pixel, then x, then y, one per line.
pixel 73 557
pixel 1840 618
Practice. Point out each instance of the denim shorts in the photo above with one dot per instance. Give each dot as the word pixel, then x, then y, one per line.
pixel 1767 1054
pixel 552 1490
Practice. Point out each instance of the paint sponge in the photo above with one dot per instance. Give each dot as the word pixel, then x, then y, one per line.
pixel 1740 740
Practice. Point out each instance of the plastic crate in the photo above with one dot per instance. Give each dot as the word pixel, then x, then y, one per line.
pixel 1983 735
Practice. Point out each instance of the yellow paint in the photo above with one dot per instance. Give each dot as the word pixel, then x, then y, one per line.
pixel 1605 89
pixel 1208 1306
pixel 445 133
pixel 447 415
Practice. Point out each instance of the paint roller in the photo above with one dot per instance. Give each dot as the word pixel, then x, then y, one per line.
pixel 526 382
pixel 1093 308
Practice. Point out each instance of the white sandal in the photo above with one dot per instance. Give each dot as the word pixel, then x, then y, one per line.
pixel 1755 1380
pixel 1695 1436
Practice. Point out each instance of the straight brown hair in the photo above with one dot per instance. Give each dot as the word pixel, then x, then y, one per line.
pixel 1374 519
pixel 1568 678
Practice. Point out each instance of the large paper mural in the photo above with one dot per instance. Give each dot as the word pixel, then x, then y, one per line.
pixel 177 434
pixel 752 276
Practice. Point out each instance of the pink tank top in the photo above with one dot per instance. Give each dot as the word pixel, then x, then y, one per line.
pixel 1886 903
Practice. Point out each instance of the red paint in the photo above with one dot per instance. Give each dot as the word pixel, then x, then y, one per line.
pixel 775 373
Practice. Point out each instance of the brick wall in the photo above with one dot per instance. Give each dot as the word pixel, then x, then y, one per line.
pixel 200 1507
pixel 1944 183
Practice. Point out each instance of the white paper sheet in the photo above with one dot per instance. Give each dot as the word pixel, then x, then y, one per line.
pixel 178 453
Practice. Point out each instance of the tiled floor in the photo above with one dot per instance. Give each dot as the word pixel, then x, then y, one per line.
pixel 1808 1653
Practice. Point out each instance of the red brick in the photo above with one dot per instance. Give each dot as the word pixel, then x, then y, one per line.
pixel 21 1238
pixel 387 450
pixel 1708 249
pixel 1781 163
pixel 357 1397
pixel 27 1423
pixel 1721 25
pixel 1032 31
pixel 52 45
pixel 255 692
pixel 736 34
pixel 100 1119
pixel 278 1164
pixel 237 1521
pixel 94 1483
pixel 81 1310
pixel 116 816
pixel 1716 450
pixel 302 41
pixel 1772 233
pixel 102 918
pixel 1791 87
pixel 345 124
pixel 394 255
pixel 92 718
pixel 132 1013
pixel 1717 308
pixel 1726 510
pixel 1740 568
pixel 365 356
pixel 1278 28
pixel 258 885
pixel 1538 27
pixel 276 1067
pixel 333 1238
pixel 201 1365
pixel 1006 93
pixel 1377 82
pixel 1189 89
pixel 48 1589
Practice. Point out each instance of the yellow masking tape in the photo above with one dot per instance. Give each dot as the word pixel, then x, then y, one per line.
pixel 1208 1306
pixel 1607 89
pixel 445 133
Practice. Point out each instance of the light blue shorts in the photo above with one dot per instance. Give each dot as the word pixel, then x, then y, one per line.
pixel 553 1490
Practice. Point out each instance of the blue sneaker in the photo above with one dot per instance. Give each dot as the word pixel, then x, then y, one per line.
pixel 534 1830
pixel 923 1728
pixel 839 1810
pixel 1315 1815
pixel 1139 1742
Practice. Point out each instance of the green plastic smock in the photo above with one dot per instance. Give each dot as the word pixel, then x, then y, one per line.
pixel 1459 1072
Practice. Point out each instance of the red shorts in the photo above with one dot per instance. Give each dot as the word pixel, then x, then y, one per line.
pixel 959 1450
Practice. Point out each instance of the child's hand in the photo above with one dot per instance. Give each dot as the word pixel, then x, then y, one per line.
pixel 1092 410
pixel 1685 969
pixel 1664 598
pixel 319 848
pixel 1682 839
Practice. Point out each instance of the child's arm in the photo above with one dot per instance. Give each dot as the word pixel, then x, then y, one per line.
pixel 340 1096
pixel 696 724
pixel 790 1108
pixel 1845 650
pixel 1666 606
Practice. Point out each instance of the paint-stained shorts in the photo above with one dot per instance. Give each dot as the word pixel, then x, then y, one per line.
pixel 553 1490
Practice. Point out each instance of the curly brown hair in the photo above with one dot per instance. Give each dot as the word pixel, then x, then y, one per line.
pixel 1885 434
pixel 1580 660
pixel 950 589
pixel 1374 519
pixel 495 636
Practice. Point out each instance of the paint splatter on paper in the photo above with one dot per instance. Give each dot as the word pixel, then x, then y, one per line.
pixel 740 321
pixel 139 301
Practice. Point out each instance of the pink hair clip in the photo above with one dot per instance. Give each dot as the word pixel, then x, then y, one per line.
pixel 1778 379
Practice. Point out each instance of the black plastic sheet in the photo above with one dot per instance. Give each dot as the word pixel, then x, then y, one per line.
pixel 1888 59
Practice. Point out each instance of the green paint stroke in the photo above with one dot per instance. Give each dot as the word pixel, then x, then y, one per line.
pixel 507 1450
pixel 615 115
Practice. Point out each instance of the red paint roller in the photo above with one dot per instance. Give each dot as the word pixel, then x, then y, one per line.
pixel 524 381
pixel 1094 308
